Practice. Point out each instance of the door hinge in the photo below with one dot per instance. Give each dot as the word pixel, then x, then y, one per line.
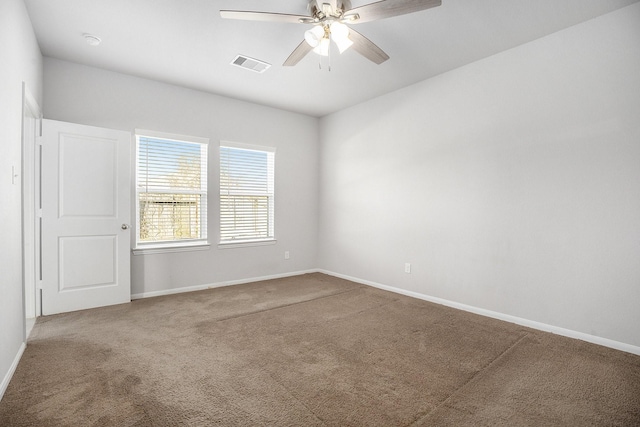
pixel 39 139
pixel 39 284
pixel 39 213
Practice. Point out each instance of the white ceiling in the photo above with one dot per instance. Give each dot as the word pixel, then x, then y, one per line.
pixel 185 42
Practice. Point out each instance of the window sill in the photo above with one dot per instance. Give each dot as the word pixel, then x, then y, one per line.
pixel 159 249
pixel 245 244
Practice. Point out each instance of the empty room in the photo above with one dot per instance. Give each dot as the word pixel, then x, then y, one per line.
pixel 320 212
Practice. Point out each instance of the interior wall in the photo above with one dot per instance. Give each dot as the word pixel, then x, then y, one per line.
pixel 21 62
pixel 91 96
pixel 510 185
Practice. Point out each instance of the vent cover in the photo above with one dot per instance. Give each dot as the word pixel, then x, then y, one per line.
pixel 250 64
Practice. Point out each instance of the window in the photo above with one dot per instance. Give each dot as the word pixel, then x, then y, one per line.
pixel 246 193
pixel 171 190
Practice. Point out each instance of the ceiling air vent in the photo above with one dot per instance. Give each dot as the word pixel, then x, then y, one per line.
pixel 250 64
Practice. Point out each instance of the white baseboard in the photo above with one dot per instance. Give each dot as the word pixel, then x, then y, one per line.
pixel 496 315
pixel 217 285
pixel 12 370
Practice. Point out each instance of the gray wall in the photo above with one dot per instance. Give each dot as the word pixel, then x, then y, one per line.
pixel 91 96
pixel 21 62
pixel 511 184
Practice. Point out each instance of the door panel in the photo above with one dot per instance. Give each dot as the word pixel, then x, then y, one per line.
pixel 97 251
pixel 88 189
pixel 86 174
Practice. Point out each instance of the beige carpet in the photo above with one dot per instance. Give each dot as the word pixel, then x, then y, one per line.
pixel 310 350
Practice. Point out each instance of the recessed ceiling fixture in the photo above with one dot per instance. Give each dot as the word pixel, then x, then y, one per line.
pixel 250 64
pixel 91 39
pixel 329 19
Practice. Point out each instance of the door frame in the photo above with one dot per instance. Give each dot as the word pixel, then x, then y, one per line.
pixel 31 208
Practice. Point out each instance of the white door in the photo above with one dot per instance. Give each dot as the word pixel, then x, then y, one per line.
pixel 86 210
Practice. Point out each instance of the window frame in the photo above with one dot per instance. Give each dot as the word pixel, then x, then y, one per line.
pixel 202 243
pixel 270 240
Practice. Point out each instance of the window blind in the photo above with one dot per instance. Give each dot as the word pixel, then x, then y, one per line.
pixel 246 194
pixel 171 190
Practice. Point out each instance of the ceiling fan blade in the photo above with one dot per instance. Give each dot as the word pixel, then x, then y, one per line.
pixel 263 16
pixel 297 54
pixel 366 47
pixel 388 8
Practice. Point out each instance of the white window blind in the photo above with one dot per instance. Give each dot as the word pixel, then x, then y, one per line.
pixel 171 190
pixel 246 193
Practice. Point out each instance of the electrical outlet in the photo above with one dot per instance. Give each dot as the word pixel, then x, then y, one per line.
pixel 407 267
pixel 286 254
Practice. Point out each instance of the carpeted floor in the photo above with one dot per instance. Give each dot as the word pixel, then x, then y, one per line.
pixel 311 350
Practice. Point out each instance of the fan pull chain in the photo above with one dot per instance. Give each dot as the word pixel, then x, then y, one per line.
pixel 328 65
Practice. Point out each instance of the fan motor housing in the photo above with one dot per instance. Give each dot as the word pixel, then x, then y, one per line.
pixel 318 10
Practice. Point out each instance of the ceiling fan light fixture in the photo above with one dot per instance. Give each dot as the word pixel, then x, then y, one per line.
pixel 339 30
pixel 314 36
pixel 340 35
pixel 343 44
pixel 323 47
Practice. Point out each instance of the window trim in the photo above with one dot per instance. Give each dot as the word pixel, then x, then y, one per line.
pixel 255 241
pixel 203 246
pixel 247 243
pixel 140 248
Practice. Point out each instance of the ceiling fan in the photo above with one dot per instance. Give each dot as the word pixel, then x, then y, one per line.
pixel 329 19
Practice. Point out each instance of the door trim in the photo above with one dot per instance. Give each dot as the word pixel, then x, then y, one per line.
pixel 30 204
